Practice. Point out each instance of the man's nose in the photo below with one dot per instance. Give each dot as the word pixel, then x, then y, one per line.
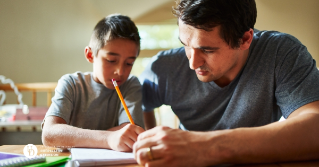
pixel 195 59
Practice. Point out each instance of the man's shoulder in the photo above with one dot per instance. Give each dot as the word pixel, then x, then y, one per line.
pixel 173 52
pixel 165 60
pixel 170 54
pixel 275 37
pixel 274 43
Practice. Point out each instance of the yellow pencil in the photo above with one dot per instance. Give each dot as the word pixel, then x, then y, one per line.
pixel 123 102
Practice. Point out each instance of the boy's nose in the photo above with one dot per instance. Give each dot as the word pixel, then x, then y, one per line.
pixel 119 70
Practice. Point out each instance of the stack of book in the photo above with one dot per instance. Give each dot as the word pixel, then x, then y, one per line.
pixel 10 159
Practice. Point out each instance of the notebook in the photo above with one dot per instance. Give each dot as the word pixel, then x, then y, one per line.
pixel 10 159
pixel 51 161
pixel 98 157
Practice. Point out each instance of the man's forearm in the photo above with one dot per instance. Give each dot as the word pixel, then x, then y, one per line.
pixel 290 140
pixel 294 139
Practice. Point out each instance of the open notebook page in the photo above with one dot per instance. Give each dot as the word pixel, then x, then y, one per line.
pixel 97 157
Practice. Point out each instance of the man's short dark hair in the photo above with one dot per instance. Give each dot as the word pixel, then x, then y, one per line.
pixel 113 27
pixel 234 16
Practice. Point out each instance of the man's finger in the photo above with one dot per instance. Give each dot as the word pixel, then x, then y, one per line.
pixel 151 132
pixel 146 134
pixel 156 163
pixel 148 153
pixel 140 156
pixel 140 145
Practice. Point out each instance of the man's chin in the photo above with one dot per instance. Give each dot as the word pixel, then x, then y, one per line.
pixel 204 78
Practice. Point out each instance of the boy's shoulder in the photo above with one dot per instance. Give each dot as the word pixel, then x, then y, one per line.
pixel 76 78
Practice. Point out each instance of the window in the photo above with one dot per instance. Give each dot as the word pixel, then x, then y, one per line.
pixel 159 37
pixel 155 38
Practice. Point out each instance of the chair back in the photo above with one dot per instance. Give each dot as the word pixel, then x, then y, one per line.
pixel 47 87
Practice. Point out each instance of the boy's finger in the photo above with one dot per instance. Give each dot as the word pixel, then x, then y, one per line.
pixel 139 130
pixel 133 132
pixel 129 143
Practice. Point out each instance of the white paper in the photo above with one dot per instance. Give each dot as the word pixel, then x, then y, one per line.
pixel 97 157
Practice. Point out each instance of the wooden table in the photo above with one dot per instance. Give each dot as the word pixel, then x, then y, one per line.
pixel 50 151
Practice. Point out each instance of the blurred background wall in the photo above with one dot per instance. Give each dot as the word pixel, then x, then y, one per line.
pixel 42 40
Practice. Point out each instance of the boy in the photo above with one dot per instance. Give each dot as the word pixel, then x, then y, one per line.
pixel 86 110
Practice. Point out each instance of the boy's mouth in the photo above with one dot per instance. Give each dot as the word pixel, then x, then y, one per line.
pixel 117 81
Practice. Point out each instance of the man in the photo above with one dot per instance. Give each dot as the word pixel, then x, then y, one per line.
pixel 229 108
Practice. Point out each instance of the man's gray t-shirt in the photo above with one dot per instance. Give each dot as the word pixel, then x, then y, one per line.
pixel 84 103
pixel 279 77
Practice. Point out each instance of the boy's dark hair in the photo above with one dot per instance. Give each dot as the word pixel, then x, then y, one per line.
pixel 234 16
pixel 112 27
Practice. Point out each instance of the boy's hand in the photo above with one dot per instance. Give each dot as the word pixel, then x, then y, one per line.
pixel 124 138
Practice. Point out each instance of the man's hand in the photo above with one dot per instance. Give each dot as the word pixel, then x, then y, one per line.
pixel 169 147
pixel 123 138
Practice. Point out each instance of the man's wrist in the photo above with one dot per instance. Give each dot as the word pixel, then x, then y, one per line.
pixel 213 146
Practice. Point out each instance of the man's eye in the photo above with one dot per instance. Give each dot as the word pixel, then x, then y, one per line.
pixel 207 51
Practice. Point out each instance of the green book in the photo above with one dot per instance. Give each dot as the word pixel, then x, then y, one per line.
pixel 52 161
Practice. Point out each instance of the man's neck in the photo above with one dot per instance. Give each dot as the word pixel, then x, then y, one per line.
pixel 234 71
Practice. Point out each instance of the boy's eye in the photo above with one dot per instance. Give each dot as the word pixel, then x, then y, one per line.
pixel 111 61
pixel 130 63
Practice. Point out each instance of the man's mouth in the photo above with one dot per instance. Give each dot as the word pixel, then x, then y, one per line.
pixel 201 72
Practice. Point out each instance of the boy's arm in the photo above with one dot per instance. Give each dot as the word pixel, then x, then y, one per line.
pixel 56 133
pixel 149 120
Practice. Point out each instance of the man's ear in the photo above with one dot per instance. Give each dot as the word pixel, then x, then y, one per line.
pixel 247 39
pixel 88 54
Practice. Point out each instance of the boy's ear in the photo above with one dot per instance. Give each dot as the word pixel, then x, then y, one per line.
pixel 88 54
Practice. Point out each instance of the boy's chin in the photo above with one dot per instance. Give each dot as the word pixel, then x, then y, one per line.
pixel 109 86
